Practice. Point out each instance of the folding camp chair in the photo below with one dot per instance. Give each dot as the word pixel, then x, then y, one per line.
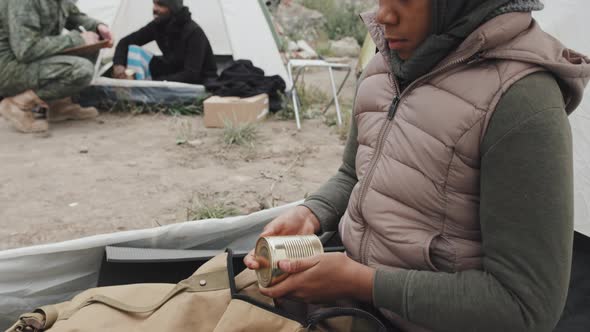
pixel 300 65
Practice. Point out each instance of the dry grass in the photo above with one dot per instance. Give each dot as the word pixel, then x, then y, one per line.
pixel 312 100
pixel 240 134
pixel 324 49
pixel 206 207
pixel 341 20
pixel 331 120
pixel 185 132
pixel 123 105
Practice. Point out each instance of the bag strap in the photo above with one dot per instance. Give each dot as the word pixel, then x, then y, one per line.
pixel 205 282
pixel 237 296
pixel 322 315
pixel 32 322
pixel 314 319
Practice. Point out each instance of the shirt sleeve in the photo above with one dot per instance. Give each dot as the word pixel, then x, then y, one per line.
pixel 329 203
pixel 26 40
pixel 76 19
pixel 140 37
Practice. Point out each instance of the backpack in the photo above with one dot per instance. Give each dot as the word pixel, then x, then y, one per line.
pixel 212 299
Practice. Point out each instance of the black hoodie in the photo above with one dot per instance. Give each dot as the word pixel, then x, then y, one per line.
pixel 187 54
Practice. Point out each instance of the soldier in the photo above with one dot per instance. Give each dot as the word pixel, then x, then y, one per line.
pixel 33 74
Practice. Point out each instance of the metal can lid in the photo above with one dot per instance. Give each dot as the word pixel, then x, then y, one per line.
pixel 264 257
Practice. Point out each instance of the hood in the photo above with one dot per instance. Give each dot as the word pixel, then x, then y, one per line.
pixel 513 36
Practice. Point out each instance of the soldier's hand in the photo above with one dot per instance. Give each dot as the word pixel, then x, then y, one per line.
pixel 119 72
pixel 106 34
pixel 90 38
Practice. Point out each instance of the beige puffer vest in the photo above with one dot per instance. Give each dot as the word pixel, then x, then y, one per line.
pixel 416 205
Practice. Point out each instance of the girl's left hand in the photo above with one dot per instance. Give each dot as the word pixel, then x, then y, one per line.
pixel 324 278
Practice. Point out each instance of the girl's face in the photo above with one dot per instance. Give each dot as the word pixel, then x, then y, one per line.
pixel 407 24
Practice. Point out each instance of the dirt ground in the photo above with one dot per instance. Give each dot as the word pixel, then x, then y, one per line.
pixel 124 172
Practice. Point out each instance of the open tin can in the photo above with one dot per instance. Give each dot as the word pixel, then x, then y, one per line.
pixel 270 250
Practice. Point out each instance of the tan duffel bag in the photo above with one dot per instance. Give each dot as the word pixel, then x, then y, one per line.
pixel 210 300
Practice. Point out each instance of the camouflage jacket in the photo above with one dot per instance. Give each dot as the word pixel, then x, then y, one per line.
pixel 32 29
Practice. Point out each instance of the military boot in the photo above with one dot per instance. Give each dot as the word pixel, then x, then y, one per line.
pixel 65 109
pixel 20 112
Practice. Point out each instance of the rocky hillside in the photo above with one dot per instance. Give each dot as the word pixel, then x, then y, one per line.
pixel 331 27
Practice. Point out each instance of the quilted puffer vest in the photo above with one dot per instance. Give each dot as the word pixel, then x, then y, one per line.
pixel 416 205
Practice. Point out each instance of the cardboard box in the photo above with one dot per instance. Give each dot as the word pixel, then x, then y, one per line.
pixel 218 110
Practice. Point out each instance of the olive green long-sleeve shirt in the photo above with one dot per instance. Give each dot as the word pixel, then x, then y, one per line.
pixel 526 217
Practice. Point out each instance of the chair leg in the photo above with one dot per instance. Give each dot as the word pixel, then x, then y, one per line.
pixel 294 96
pixel 296 108
pixel 335 94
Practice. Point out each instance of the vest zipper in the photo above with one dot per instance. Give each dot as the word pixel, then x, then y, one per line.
pixel 471 57
pixel 393 108
pixel 381 141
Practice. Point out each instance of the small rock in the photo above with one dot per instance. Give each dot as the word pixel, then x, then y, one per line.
pixel 275 150
pixel 74 204
pixel 348 47
pixel 253 209
pixel 241 179
pixel 196 142
pixel 297 19
pixel 292 46
pixel 46 134
pixel 301 50
pixel 273 4
pixel 83 150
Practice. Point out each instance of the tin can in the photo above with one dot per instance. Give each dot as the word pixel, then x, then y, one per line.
pixel 130 74
pixel 270 250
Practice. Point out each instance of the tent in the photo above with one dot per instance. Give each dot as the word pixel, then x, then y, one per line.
pixel 564 20
pixel 31 277
pixel 237 29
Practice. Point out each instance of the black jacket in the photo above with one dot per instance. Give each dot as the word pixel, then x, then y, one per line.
pixel 187 54
pixel 243 79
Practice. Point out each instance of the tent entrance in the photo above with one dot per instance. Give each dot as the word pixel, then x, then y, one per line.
pixel 236 29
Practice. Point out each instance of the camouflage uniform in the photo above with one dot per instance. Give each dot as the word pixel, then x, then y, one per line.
pixel 31 40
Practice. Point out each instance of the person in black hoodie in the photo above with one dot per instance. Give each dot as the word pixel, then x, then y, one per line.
pixel 187 54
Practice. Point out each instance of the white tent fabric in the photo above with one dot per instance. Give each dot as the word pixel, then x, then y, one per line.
pixel 236 28
pixel 564 19
pixel 35 276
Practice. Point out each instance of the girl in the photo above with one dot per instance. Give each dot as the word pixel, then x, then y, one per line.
pixel 455 198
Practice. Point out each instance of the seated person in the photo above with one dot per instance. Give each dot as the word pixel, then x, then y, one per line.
pixel 455 197
pixel 34 74
pixel 187 54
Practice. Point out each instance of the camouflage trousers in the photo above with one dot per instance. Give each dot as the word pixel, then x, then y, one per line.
pixel 52 78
